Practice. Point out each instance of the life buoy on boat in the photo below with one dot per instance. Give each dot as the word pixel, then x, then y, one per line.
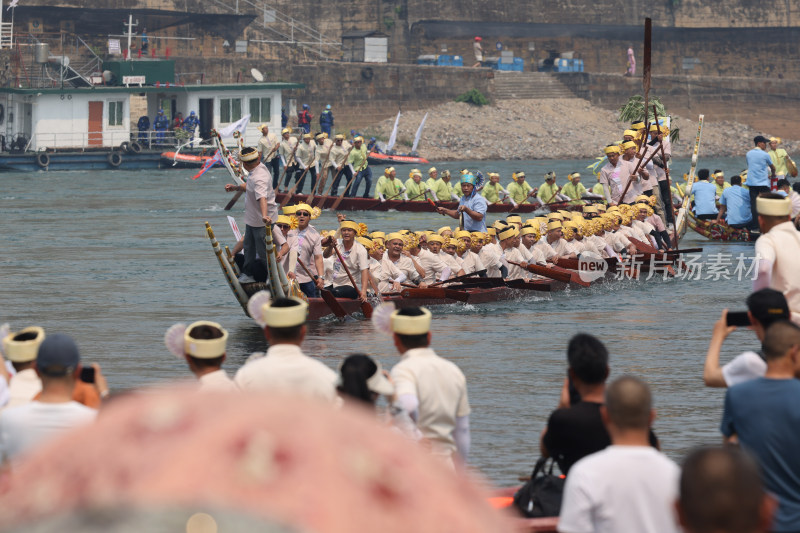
pixel 42 159
pixel 135 148
pixel 115 159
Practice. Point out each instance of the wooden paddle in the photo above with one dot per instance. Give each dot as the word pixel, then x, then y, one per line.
pixel 379 202
pixel 320 184
pixel 458 278
pixel 366 307
pixel 643 246
pixel 327 295
pixel 288 163
pixel 566 277
pixel 347 187
pixel 294 187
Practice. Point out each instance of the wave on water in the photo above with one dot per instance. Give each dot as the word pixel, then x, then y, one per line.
pixel 212 208
pixel 9 198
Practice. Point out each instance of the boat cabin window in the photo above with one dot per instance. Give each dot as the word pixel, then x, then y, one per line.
pixel 230 110
pixel 260 109
pixel 115 113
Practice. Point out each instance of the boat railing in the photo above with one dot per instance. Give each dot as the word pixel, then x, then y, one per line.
pixel 60 141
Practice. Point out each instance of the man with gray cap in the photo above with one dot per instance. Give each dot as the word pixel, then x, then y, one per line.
pixel 27 426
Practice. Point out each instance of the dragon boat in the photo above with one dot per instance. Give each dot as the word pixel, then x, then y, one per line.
pixel 417 206
pixel 720 231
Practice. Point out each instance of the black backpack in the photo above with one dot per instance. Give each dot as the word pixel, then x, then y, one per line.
pixel 541 495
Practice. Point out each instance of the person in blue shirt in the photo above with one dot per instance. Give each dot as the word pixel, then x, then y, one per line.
pixel 763 416
pixel 759 172
pixel 326 120
pixel 161 123
pixel 284 118
pixel 190 124
pixel 471 207
pixel 734 205
pixel 704 194
pixel 143 126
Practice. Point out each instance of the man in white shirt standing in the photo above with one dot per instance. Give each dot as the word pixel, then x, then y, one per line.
pixel 285 367
pixel 21 348
pixel 431 389
pixel 777 250
pixel 260 209
pixel 628 486
pixel 27 426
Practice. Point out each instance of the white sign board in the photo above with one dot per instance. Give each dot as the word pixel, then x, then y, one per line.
pixel 376 49
pixel 113 47
pixel 133 80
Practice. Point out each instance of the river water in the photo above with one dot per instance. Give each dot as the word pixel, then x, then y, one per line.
pixel 115 258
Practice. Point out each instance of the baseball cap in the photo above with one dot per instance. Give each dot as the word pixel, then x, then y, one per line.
pixel 768 306
pixel 58 355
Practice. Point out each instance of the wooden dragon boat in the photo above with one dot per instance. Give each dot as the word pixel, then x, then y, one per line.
pixel 466 291
pixel 417 206
pixel 719 231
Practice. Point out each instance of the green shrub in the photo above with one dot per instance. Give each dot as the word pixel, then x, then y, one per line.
pixel 473 97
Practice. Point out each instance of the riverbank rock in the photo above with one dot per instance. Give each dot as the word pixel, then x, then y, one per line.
pixel 547 129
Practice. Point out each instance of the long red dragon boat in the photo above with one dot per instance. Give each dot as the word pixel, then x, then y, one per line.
pixel 416 206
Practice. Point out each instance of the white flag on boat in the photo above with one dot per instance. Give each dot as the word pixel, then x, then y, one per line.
pixel 240 125
pixel 419 133
pixel 13 4
pixel 235 228
pixel 393 137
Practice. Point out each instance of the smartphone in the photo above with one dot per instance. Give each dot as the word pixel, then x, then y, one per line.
pixel 87 374
pixel 738 318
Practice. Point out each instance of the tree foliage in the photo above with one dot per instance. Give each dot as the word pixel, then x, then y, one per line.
pixel 633 111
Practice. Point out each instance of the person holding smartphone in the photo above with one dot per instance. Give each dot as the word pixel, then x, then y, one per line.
pixel 764 307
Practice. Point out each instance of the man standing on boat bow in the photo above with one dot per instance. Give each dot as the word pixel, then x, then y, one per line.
pixel 260 209
pixel 471 207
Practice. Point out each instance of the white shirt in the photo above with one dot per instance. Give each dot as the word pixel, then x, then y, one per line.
pixel 23 387
pixel 27 426
pixel 441 389
pixel 471 262
pixel 217 381
pixel 286 368
pixel 622 489
pixel 781 245
pixel 744 367
pixel 265 145
pixel 259 185
pixel 432 264
pixel 356 259
pixel 491 260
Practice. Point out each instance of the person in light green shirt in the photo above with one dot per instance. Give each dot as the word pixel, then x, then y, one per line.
pixel 519 190
pixel 548 192
pixel 414 186
pixel 433 174
pixel 574 189
pixel 598 190
pixel 778 156
pixel 358 160
pixel 492 190
pixel 390 187
pixel 443 190
pixel 719 182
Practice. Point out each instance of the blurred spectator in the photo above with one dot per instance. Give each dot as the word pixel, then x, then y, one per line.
pixel 21 348
pixel 285 367
pixel 721 492
pixel 763 416
pixel 24 427
pixel 764 308
pixel 629 486
pixel 576 428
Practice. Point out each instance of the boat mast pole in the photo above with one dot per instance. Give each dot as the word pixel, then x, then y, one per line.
pixel 130 26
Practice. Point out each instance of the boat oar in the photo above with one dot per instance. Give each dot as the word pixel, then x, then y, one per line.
pixel 320 184
pixel 327 295
pixel 379 202
pixel 288 163
pixel 294 188
pixel 366 308
pixel 643 246
pixel 458 278
pixel 552 273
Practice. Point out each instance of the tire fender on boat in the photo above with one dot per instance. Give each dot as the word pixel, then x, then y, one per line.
pixel 367 73
pixel 115 159
pixel 135 148
pixel 125 147
pixel 42 159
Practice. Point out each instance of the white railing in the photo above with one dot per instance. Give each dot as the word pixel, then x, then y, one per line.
pixel 6 34
pixel 289 30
